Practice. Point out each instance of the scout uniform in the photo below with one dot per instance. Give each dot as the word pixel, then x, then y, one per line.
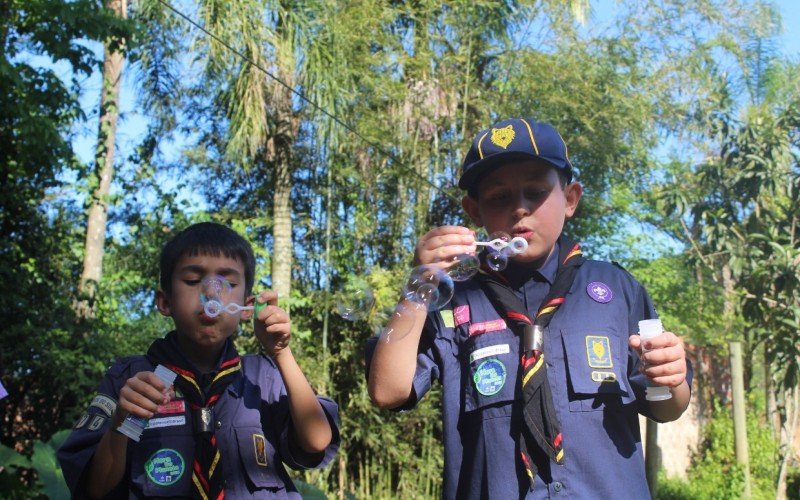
pixel 597 390
pixel 251 422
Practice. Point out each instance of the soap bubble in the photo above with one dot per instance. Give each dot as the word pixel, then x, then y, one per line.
pixel 214 288
pixel 497 261
pixel 354 300
pixel 430 286
pixel 465 267
pixel 402 321
pixel 499 235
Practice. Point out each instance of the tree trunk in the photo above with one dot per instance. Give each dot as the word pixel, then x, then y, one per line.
pixel 104 172
pixel 790 421
pixel 279 151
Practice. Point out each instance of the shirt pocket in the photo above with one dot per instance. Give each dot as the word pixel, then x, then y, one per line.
pixel 596 362
pixel 161 465
pixel 492 365
pixel 258 460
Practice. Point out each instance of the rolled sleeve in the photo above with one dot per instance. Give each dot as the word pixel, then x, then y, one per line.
pixel 298 459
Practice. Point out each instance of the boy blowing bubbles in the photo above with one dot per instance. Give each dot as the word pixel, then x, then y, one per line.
pixel 229 422
pixel 542 378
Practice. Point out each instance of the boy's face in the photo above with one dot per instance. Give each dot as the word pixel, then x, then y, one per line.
pixel 525 199
pixel 183 305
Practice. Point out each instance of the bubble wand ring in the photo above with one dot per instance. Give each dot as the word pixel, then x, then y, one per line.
pixel 517 244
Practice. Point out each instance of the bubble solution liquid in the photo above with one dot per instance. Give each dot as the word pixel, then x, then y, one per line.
pixel 649 329
pixel 133 426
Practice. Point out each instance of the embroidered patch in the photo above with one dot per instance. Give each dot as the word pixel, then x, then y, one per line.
pixel 260 449
pixel 104 403
pixel 604 376
pixel 155 423
pixel 96 423
pixel 503 136
pixel 165 467
pixel 490 377
pixel 81 421
pixel 447 318
pixel 173 407
pixel 599 292
pixel 3 391
pixel 485 352
pixel 462 315
pixel 598 351
pixel 487 326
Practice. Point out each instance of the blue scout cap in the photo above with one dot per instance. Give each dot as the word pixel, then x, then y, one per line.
pixel 513 139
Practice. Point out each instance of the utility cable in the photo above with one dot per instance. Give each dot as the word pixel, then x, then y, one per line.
pixel 300 95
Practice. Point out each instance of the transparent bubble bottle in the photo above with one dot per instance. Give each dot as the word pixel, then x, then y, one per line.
pixel 648 329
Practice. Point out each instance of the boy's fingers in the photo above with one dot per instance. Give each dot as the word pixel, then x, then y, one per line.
pixel 666 370
pixel 666 339
pixel 635 342
pixel 663 355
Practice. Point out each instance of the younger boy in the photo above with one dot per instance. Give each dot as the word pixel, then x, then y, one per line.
pixel 542 381
pixel 225 428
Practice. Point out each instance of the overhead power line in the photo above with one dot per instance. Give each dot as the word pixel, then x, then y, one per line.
pixel 300 95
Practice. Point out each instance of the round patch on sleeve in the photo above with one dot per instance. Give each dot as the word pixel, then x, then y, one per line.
pixel 490 377
pixel 599 292
pixel 165 467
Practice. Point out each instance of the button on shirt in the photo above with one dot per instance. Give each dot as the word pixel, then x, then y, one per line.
pixel 252 426
pixel 597 389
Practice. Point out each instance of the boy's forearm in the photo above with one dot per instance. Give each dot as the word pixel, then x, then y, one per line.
pixel 671 409
pixel 311 426
pixel 394 362
pixel 108 463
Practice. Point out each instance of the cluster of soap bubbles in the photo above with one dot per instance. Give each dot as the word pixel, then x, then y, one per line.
pixel 215 291
pixel 427 287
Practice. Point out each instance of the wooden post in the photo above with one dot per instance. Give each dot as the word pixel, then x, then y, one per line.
pixel 652 456
pixel 739 417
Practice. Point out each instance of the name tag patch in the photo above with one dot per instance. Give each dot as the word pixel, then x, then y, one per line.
pixel 461 314
pixel 104 403
pixel 155 423
pixel 604 376
pixel 487 326
pixel 173 407
pixel 490 377
pixel 165 467
pixel 598 351
pixel 485 352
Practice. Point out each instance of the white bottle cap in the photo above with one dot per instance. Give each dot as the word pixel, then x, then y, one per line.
pixel 650 328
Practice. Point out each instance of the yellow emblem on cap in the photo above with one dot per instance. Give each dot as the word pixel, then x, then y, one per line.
pixel 502 137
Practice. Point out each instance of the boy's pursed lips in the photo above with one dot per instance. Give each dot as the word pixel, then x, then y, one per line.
pixel 523 231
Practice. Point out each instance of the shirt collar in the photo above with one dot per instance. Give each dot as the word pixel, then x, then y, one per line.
pixel 519 274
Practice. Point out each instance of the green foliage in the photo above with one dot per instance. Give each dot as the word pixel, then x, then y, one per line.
pixel 714 472
pixel 50 483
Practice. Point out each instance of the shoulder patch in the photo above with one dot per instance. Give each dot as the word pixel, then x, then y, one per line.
pixel 104 403
pixel 447 318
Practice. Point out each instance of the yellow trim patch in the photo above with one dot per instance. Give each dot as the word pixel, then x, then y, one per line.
pixel 598 351
pixel 447 318
pixel 260 449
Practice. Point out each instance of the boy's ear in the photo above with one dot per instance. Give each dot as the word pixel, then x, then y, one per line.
pixel 470 205
pixel 573 193
pixel 246 315
pixel 163 303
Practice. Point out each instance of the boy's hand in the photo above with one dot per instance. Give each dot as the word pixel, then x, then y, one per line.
pixel 664 363
pixel 140 396
pixel 441 244
pixel 272 324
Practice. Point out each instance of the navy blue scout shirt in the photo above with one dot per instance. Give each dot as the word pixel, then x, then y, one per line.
pixel 252 428
pixel 597 389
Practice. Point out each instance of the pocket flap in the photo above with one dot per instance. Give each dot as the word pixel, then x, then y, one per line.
pixel 161 466
pixel 258 458
pixel 595 363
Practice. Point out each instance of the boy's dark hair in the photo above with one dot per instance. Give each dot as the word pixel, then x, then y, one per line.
pixel 207 238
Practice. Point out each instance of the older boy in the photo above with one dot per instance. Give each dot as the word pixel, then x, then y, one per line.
pixel 542 380
pixel 231 422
